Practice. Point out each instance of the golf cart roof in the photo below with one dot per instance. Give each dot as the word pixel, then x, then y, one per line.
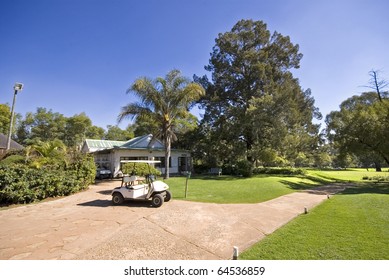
pixel 140 161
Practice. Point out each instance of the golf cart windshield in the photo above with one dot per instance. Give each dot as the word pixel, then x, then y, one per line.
pixel 140 161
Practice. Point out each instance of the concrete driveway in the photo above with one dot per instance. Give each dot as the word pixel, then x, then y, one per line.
pixel 87 226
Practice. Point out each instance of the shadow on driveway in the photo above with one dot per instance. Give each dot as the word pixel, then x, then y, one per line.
pixel 108 203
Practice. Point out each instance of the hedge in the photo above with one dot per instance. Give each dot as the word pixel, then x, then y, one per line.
pixel 140 169
pixel 280 171
pixel 20 183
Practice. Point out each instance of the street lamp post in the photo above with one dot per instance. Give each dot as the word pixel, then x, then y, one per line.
pixel 17 87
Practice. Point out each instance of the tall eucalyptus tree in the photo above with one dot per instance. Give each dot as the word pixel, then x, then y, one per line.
pixel 253 103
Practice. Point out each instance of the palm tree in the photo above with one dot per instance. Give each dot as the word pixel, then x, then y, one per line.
pixel 163 101
pixel 51 153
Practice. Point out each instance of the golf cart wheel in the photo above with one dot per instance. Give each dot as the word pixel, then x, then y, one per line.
pixel 168 196
pixel 157 200
pixel 117 198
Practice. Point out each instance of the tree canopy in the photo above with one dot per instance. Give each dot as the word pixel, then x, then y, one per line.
pixel 162 102
pixel 361 127
pixel 116 133
pixel 5 113
pixel 46 125
pixel 254 107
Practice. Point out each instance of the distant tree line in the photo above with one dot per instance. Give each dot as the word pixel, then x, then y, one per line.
pixel 46 125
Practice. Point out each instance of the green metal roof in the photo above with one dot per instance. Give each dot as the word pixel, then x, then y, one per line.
pixel 141 142
pixel 103 144
pixel 137 143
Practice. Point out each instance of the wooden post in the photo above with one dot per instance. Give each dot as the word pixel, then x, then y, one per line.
pixel 235 253
pixel 188 173
pixel 186 187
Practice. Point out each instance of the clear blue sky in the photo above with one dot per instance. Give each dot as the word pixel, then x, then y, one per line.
pixel 78 56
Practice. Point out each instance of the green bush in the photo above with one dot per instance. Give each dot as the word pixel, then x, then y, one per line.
pixel 201 168
pixel 139 169
pixel 279 171
pixel 376 178
pixel 84 167
pixel 241 168
pixel 21 183
pixel 244 168
pixel 12 159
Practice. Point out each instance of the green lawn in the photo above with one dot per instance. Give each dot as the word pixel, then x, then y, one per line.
pixel 227 189
pixel 350 226
pixel 342 176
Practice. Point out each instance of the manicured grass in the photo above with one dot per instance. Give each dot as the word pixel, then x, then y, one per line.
pixel 350 226
pixel 229 189
pixel 342 176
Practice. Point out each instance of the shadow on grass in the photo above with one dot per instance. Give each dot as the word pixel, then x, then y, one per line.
pixel 318 180
pixel 298 185
pixel 323 179
pixel 236 178
pixel 355 188
pixel 215 177
pixel 372 188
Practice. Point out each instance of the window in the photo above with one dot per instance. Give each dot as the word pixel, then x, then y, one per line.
pixel 133 158
pixel 183 164
pixel 130 158
pixel 162 164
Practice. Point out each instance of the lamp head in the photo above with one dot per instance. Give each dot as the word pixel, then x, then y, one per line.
pixel 18 86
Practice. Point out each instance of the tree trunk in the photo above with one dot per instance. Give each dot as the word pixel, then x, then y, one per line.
pixel 377 84
pixel 249 147
pixel 167 156
pixel 386 159
pixel 377 166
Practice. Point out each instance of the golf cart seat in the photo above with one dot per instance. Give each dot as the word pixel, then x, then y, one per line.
pixel 129 180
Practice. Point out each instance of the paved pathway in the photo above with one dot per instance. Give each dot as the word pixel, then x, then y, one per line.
pixel 87 226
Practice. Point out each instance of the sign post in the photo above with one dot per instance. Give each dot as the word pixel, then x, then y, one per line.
pixel 188 173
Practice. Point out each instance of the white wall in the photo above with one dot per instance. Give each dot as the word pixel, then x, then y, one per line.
pixel 151 155
pixel 111 159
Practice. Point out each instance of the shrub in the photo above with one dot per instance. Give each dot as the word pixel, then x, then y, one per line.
pixel 376 178
pixel 280 171
pixel 140 169
pixel 241 168
pixel 244 168
pixel 201 168
pixel 84 167
pixel 12 159
pixel 20 183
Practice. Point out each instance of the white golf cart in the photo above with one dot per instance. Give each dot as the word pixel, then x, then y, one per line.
pixel 141 188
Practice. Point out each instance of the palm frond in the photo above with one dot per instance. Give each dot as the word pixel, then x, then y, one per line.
pixel 132 110
pixel 168 98
pixel 144 88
